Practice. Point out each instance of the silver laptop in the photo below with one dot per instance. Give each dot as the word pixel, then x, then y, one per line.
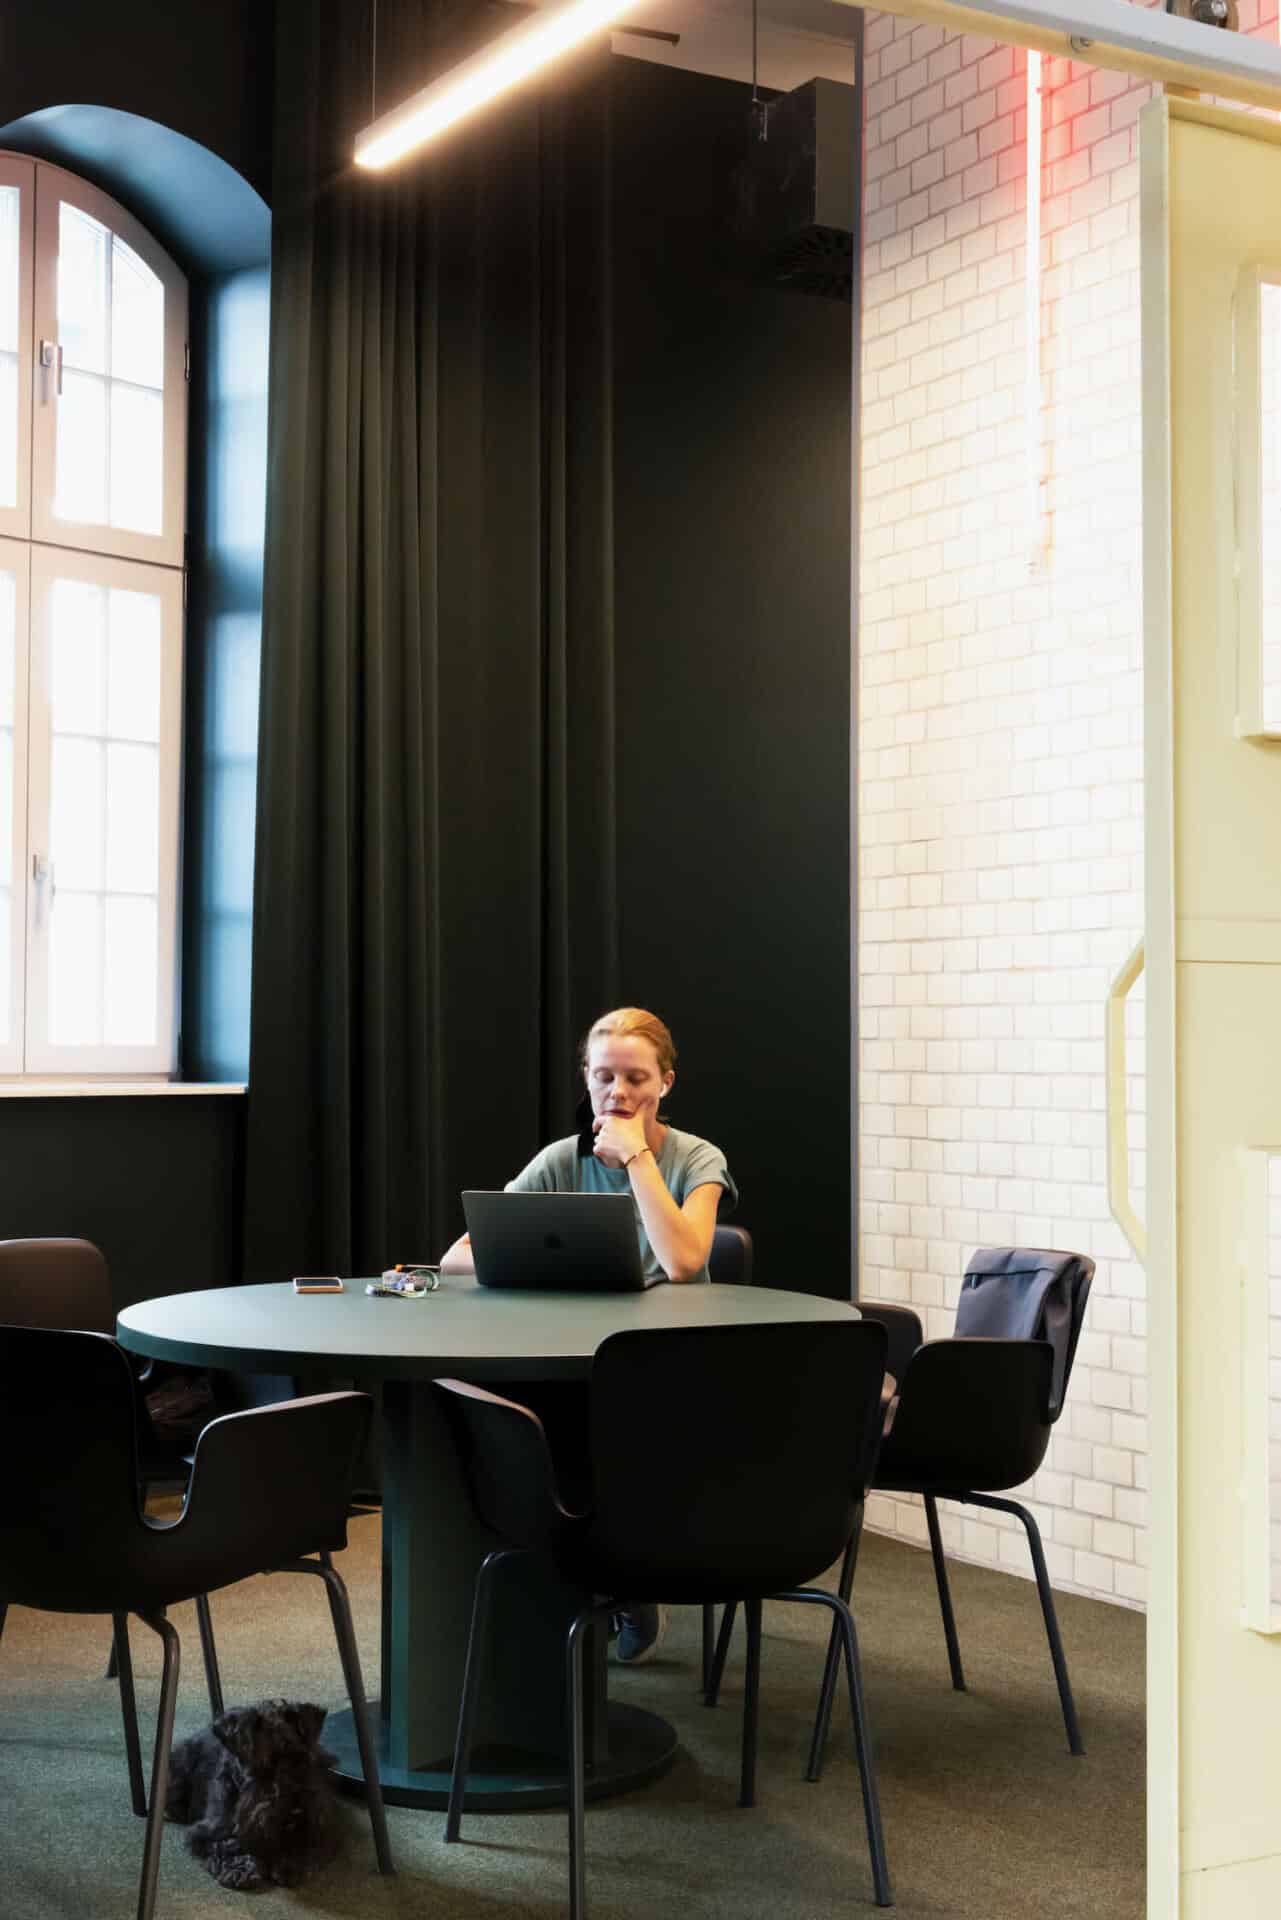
pixel 555 1242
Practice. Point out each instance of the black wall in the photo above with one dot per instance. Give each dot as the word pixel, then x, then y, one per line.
pixel 152 1179
pixel 732 476
pixel 203 67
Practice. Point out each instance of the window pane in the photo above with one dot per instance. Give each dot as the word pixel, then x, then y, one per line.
pixel 75 970
pixel 8 649
pixel 76 815
pixel 8 656
pixel 83 267
pixel 137 459
pixel 10 256
pixel 8 429
pixel 77 653
pixel 80 484
pixel 133 819
pixel 133 677
pixel 6 962
pixel 6 820
pixel 131 998
pixel 9 276
pixel 137 319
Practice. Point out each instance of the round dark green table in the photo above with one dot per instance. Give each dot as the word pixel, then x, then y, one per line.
pixel 432 1541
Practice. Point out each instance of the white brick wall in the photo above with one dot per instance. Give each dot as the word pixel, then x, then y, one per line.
pixel 1000 733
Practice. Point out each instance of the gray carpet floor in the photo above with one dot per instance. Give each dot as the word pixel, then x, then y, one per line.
pixel 986 1814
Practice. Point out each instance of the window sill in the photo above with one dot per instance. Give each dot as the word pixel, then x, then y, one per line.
pixel 35 1089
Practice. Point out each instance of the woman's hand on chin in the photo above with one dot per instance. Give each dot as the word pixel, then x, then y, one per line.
pixel 619 1137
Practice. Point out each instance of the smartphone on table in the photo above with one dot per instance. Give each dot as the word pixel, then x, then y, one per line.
pixel 317 1283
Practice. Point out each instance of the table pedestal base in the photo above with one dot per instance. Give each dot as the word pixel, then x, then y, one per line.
pixel 641 1747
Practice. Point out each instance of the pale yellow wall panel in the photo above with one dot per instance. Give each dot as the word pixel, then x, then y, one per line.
pixel 1224 213
pixel 1248 1890
pixel 1211 208
pixel 1229 1096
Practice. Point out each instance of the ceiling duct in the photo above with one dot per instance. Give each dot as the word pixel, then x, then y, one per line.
pixel 798 187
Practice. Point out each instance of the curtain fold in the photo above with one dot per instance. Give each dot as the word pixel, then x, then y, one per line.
pixel 435 918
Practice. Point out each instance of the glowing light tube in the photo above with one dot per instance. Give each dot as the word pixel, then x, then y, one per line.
pixel 503 64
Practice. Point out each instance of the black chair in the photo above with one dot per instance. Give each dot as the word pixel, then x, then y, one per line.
pixel 747 1486
pixel 729 1264
pixel 974 1415
pixel 66 1283
pixel 267 1488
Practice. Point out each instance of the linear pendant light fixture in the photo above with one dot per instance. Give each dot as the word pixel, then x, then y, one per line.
pixel 504 63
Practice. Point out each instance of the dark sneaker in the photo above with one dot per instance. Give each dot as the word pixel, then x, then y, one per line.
pixel 640 1634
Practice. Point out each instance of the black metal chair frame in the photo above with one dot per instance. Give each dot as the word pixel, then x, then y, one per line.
pixel 298 1460
pixel 513 1484
pixel 1031 1373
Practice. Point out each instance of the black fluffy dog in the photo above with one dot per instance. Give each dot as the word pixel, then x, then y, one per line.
pixel 255 1791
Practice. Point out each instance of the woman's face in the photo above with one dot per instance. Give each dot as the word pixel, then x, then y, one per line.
pixel 623 1076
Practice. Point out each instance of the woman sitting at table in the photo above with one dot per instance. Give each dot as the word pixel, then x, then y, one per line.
pixel 677 1183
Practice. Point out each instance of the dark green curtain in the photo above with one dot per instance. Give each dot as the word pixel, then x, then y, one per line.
pixel 434 898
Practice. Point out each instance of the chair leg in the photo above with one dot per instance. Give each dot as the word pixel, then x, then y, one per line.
pixel 576 1745
pixel 1049 1615
pixel 713 1690
pixel 209 1651
pixel 709 1643
pixel 160 1760
pixel 945 1593
pixel 4 1608
pixel 129 1711
pixel 831 1666
pixel 113 1663
pixel 751 1704
pixel 473 1667
pixel 862 1735
pixel 345 1635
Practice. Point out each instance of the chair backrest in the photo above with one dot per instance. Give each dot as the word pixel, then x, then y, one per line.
pixel 1028 1293
pixel 55 1283
pixel 267 1485
pixel 741 1451
pixel 67 1415
pixel 903 1330
pixel 730 1261
pixel 972 1416
pixel 508 1470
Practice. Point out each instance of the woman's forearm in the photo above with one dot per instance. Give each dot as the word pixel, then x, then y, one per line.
pixel 675 1238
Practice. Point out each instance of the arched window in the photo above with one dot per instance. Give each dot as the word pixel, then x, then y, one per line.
pixel 93 423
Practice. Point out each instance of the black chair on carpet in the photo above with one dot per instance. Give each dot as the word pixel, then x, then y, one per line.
pixel 268 1488
pixel 974 1415
pixel 745 1487
pixel 66 1283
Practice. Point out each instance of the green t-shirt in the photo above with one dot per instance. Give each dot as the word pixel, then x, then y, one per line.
pixel 684 1161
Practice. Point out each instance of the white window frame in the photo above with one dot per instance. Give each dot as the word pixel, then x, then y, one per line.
pixel 17 172
pixel 37 549
pixel 53 186
pixel 42 1055
pixel 15 558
